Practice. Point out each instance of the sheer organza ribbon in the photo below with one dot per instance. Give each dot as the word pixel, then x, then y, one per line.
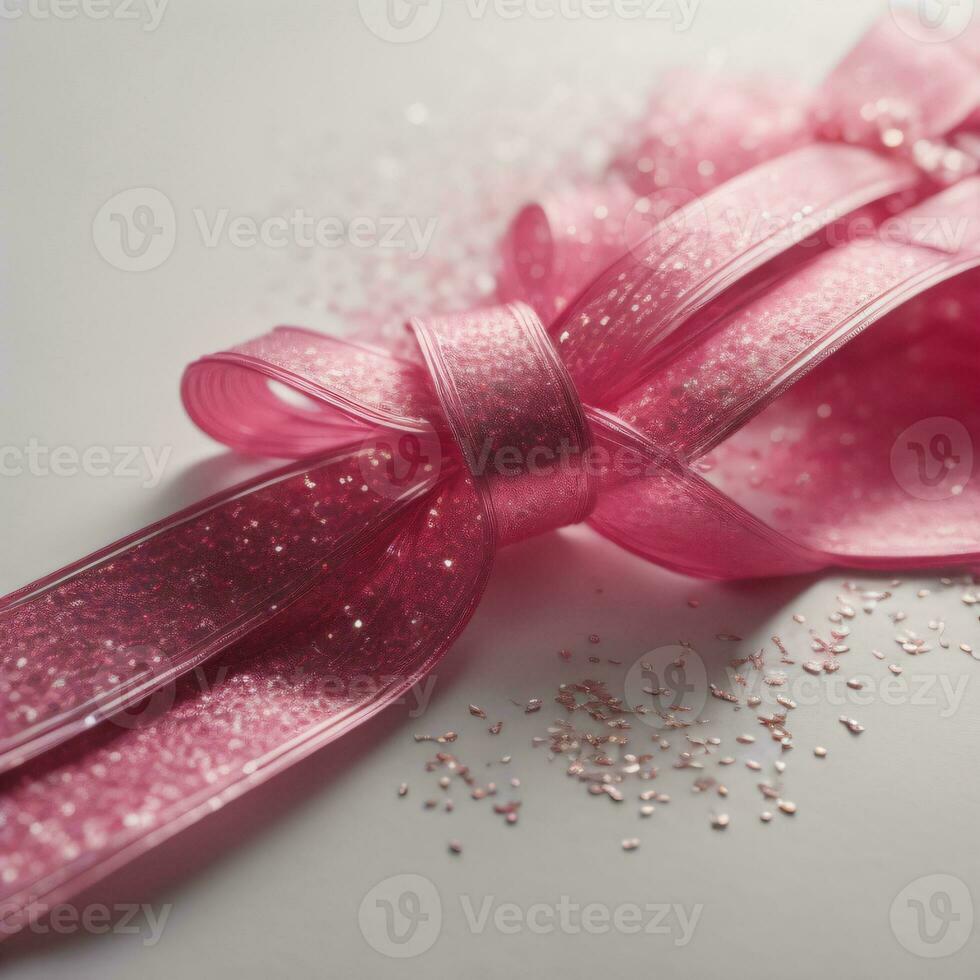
pixel 660 365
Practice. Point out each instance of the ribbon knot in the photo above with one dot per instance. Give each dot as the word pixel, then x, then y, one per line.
pixel 515 416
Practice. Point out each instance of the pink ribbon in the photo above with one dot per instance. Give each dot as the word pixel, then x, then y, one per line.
pixel 683 399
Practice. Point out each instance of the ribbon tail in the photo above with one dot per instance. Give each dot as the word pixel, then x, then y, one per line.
pixel 100 635
pixel 374 625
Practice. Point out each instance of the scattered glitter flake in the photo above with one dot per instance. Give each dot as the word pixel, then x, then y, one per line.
pixel 783 652
pixel 403 789
pixel 441 739
pixel 508 811
pixel 631 843
pixel 922 593
pixel 717 692
pixel 939 626
pixel 599 738
pixel 912 644
pixel 455 847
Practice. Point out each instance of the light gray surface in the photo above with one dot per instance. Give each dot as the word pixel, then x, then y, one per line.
pixel 272 886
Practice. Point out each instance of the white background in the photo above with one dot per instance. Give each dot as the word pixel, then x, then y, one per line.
pixel 208 108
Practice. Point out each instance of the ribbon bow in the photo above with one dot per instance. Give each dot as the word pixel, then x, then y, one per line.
pixel 674 388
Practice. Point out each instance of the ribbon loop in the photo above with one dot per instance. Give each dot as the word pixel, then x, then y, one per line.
pixel 901 92
pixel 515 416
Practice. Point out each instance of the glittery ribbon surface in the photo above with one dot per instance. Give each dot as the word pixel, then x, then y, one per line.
pixel 679 356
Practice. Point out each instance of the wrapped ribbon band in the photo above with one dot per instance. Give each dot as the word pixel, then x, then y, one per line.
pixel 515 415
